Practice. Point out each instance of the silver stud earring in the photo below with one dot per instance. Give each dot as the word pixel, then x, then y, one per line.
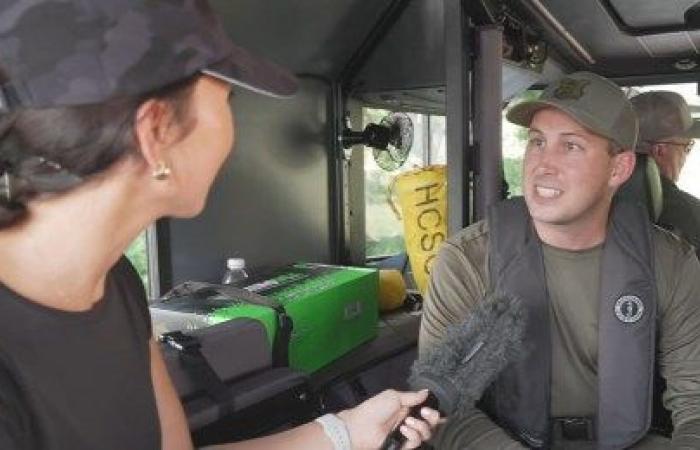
pixel 162 171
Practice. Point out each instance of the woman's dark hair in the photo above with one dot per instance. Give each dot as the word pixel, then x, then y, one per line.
pixel 73 141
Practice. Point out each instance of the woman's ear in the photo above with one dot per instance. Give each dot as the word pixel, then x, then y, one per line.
pixel 155 132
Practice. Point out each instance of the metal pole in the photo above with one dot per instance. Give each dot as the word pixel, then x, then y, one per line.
pixel 336 180
pixel 487 122
pixel 458 114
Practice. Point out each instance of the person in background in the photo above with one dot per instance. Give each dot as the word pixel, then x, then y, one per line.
pixel 612 302
pixel 114 114
pixel 666 133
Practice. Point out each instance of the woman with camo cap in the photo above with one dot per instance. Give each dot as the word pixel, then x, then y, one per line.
pixel 112 115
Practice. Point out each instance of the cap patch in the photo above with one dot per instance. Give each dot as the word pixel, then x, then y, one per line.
pixel 570 89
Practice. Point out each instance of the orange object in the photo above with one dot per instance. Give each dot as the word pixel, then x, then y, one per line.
pixel 392 289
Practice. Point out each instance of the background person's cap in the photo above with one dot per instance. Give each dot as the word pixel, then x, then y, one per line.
pixel 593 101
pixel 662 115
pixel 71 52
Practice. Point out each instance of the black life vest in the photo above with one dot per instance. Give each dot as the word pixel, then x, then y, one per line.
pixel 519 400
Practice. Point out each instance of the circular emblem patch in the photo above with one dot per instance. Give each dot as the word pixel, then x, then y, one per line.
pixel 629 309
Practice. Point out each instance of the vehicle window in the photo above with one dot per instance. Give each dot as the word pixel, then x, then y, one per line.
pixel 383 230
pixel 514 139
pixel 139 254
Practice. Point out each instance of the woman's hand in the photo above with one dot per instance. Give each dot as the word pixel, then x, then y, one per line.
pixel 370 422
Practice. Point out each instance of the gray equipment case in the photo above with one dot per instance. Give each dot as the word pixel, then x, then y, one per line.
pixel 221 370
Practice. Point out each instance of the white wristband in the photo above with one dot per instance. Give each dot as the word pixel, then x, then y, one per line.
pixel 336 431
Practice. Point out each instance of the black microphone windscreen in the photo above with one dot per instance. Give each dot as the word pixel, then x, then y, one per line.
pixel 470 356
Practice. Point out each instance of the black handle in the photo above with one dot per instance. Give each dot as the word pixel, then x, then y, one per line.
pixel 395 440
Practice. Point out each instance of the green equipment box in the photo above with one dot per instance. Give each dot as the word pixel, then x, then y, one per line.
pixel 334 309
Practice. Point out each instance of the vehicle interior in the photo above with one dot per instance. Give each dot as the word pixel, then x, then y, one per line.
pixel 310 181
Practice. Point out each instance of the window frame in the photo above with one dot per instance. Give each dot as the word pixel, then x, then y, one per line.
pixel 427 159
pixel 152 284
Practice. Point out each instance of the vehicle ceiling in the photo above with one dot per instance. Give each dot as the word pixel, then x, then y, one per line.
pixel 625 38
pixel 307 36
pixel 320 37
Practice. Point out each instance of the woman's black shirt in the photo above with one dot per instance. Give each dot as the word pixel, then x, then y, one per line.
pixel 78 381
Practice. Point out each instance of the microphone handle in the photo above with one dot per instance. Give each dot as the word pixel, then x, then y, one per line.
pixel 395 440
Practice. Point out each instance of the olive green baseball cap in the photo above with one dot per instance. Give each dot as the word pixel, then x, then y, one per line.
pixel 593 101
pixel 663 115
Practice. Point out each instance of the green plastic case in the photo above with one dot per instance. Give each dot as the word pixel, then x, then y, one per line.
pixel 334 309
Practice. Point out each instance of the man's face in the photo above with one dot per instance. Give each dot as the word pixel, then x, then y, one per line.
pixel 670 155
pixel 567 172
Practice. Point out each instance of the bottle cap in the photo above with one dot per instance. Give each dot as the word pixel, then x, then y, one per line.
pixel 235 263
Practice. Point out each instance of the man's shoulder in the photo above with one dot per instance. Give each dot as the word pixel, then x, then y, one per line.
pixel 475 234
pixel 669 244
pixel 673 195
pixel 466 250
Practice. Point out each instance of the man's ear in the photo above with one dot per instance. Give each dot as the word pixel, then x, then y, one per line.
pixel 154 131
pixel 623 166
pixel 657 150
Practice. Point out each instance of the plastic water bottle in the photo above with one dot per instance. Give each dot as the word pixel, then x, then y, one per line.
pixel 235 271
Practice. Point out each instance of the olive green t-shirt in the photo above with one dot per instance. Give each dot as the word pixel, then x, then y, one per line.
pixel 460 278
pixel 573 310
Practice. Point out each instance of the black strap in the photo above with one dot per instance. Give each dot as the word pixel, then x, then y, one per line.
pixel 661 422
pixel 280 348
pixel 194 362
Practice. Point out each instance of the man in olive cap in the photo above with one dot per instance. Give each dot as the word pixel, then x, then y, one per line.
pixel 613 302
pixel 666 133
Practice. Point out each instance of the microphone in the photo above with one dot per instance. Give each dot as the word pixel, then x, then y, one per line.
pixel 468 359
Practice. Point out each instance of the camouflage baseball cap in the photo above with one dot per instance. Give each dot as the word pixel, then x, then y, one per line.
pixel 593 101
pixel 71 52
pixel 664 114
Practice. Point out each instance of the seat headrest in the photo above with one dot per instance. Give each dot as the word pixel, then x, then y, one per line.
pixel 644 186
